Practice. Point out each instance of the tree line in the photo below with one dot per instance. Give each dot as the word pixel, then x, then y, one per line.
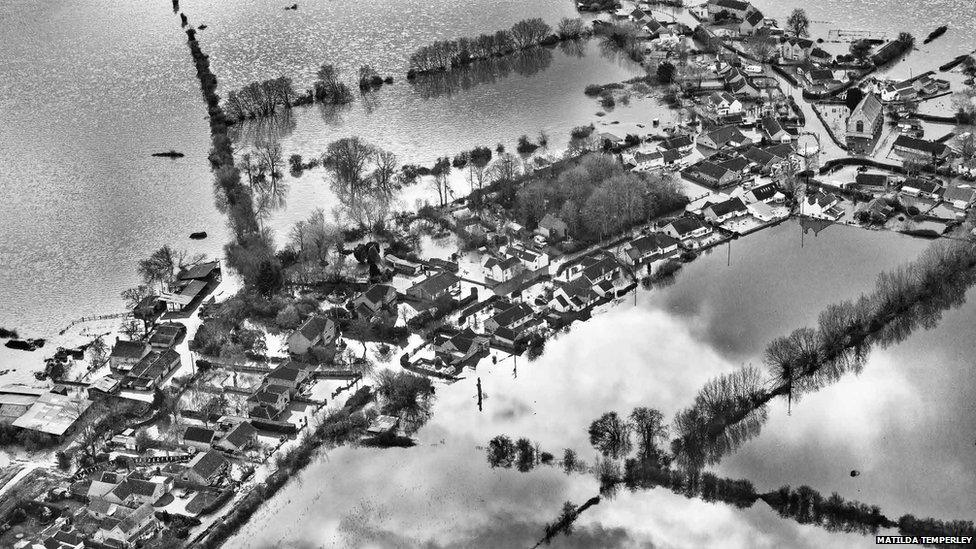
pixel 527 33
pixel 731 408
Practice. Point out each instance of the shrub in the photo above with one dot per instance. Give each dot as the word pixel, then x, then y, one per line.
pixel 606 99
pixel 581 132
pixel 525 145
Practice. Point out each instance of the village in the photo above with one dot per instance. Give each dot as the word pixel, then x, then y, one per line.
pixel 153 435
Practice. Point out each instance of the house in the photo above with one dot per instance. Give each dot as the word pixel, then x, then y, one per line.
pixel 316 331
pixel 682 143
pixel 58 536
pixel 102 483
pixel 404 266
pixel 685 228
pixel 591 268
pixel 200 438
pixel 501 269
pixel 459 347
pixel 181 296
pixel 737 84
pixel 139 523
pixel 764 193
pixel 723 103
pixel 573 296
pixel 205 272
pixel 552 227
pixel 752 22
pixel 290 374
pixel 642 161
pixel 921 188
pixel 871 181
pixel 638 16
pixel 53 413
pixel 960 196
pixel 205 468
pixel 774 131
pixel 724 137
pixel 610 139
pixel 511 317
pixel 378 298
pixel 650 248
pixel 530 259
pixel 269 402
pixel 134 491
pixel 864 124
pixel 127 354
pixel 239 438
pixel 795 49
pixel 762 211
pixel 440 285
pixel 166 335
pixel 735 8
pixel 738 165
pixel 818 76
pixel 712 174
pixel 821 205
pixel 765 162
pixel 152 370
pixel 818 55
pixel 920 149
pixel 722 211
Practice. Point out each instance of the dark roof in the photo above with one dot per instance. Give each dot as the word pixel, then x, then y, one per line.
pixel 735 164
pixel 821 74
pixel 129 349
pixel 241 434
pixel 512 314
pixel 652 243
pixel 155 364
pixel 685 225
pixel 817 52
pixel 711 169
pixel 729 206
pixel 763 192
pixel 314 327
pixel 872 179
pixel 771 126
pixel 600 268
pixel 378 293
pixel 677 142
pixel 134 486
pixel 782 150
pixel 199 272
pixel 924 185
pixel 208 463
pixel 198 434
pixel 436 284
pixel 759 156
pixel 733 4
pixel 725 134
pixel 921 145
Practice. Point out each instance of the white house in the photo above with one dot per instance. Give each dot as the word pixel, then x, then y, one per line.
pixel 821 205
pixel 501 269
pixel 530 259
pixel 723 103
pixel 686 228
pixel 650 247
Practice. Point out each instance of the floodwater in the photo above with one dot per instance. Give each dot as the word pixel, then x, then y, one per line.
pixel 88 90
pixel 905 422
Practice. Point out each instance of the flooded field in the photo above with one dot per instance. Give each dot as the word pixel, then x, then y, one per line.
pixel 657 353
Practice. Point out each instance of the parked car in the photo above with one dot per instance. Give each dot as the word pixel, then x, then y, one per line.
pixel 753 69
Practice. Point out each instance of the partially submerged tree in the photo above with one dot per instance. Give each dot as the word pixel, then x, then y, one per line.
pixel 798 23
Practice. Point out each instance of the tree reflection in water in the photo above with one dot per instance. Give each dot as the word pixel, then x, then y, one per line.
pixel 485 71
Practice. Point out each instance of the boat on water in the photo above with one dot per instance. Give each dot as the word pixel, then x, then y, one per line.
pixel 200 235
pixel 936 33
pixel 168 154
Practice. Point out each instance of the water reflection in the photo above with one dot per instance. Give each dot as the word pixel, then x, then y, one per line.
pixel 252 132
pixel 485 71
